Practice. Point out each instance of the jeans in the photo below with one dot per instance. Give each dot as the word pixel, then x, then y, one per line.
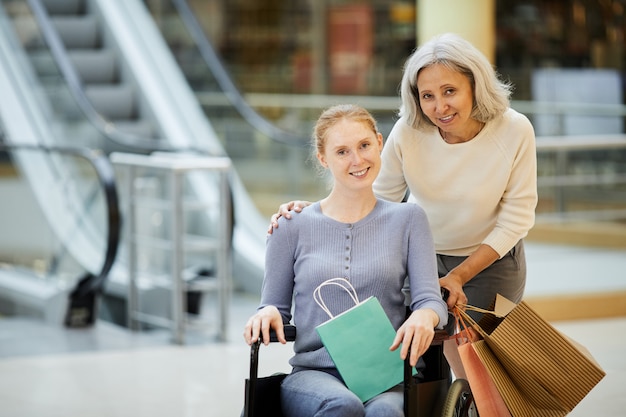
pixel 311 393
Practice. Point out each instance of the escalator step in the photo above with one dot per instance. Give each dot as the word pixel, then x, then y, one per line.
pixel 95 66
pixel 139 128
pixel 78 32
pixel 113 101
pixel 64 6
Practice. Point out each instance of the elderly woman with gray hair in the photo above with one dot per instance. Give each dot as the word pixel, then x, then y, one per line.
pixel 469 160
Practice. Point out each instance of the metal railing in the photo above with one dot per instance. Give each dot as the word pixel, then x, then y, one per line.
pixel 81 307
pixel 572 166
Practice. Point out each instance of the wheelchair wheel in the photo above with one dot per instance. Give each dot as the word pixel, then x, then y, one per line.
pixel 459 401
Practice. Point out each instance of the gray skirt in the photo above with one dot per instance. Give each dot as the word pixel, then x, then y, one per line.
pixel 506 276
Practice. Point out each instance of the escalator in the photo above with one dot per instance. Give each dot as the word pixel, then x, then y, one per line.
pixel 40 278
pixel 270 150
pixel 96 74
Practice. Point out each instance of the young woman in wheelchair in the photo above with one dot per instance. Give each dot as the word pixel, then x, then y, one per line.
pixel 352 234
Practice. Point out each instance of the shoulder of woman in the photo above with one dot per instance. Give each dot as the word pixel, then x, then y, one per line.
pixel 289 229
pixel 511 127
pixel 297 219
pixel 402 127
pixel 308 212
pixel 407 209
pixel 514 117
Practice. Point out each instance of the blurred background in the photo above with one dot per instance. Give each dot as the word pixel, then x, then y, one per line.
pixel 146 143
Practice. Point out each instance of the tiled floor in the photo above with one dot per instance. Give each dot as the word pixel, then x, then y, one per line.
pixel 104 372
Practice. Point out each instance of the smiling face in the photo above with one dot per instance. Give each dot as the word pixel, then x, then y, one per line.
pixel 447 99
pixel 352 154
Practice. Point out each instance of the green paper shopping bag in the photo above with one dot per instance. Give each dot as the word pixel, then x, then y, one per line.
pixel 358 342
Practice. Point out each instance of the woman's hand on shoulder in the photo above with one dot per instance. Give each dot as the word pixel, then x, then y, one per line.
pixel 284 211
pixel 260 324
pixel 416 333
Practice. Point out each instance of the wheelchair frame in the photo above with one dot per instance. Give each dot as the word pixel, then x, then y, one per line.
pixel 432 392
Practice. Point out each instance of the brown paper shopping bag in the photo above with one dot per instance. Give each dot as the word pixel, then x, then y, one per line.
pixel 538 371
pixel 466 364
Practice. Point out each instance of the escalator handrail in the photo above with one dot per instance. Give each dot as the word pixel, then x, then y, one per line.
pixel 140 143
pixel 106 176
pixel 75 85
pixel 218 69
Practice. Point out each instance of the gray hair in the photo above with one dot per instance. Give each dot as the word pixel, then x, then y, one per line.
pixel 491 95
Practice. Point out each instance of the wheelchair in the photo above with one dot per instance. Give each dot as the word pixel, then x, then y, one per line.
pixel 431 392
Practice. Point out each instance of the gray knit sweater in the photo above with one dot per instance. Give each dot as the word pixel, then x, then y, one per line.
pixel 376 254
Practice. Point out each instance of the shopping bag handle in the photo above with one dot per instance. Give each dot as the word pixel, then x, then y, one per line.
pixel 479 310
pixel 461 310
pixel 463 327
pixel 340 282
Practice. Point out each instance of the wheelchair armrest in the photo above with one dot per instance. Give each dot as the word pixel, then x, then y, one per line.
pixel 290 333
pixel 251 383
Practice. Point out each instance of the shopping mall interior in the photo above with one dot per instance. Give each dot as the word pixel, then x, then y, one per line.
pixel 144 145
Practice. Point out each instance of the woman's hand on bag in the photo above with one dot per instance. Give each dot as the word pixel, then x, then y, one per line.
pixel 284 210
pixel 416 334
pixel 260 324
pixel 453 284
pixel 484 256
